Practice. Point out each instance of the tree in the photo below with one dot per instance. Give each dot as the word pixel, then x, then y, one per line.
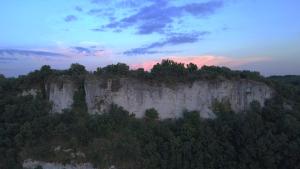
pixel 98 71
pixel 151 114
pixel 116 69
pixel 77 69
pixel 45 70
pixel 191 67
pixel 255 106
pixel 222 108
pixel 168 70
pixel 39 167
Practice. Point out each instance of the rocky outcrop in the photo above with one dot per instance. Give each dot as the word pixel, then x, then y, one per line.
pixel 136 96
pixel 32 92
pixel 170 101
pixel 61 94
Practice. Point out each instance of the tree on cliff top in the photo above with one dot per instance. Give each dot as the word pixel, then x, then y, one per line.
pixel 168 68
pixel 114 69
pixel 77 69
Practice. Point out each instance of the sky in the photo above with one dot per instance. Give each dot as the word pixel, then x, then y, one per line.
pixel 257 35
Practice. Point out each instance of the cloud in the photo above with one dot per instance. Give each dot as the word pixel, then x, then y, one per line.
pixel 172 39
pixel 7 59
pixel 204 60
pixel 156 17
pixel 87 51
pixel 95 11
pixel 82 50
pixel 202 9
pixel 98 1
pixel 70 18
pixel 78 8
pixel 5 52
pixel 61 52
pixel 100 12
pixel 98 30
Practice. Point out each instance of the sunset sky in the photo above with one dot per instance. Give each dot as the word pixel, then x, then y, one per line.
pixel 260 35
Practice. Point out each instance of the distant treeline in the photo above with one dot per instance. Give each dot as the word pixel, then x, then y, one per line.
pixel 167 71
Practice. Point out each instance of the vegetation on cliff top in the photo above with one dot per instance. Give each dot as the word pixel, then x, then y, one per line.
pixel 167 71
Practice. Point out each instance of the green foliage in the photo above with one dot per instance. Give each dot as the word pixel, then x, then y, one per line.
pixel 191 116
pixel 255 106
pixel 114 69
pixel 77 69
pixel 191 67
pixel 39 167
pixel 287 87
pixel 222 108
pixel 151 114
pixel 265 137
pixel 79 104
pixel 140 73
pixel 168 70
pixel 45 71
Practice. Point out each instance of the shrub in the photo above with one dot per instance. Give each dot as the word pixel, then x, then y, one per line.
pixel 151 114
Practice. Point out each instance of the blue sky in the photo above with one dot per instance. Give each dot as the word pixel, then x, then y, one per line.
pixel 261 35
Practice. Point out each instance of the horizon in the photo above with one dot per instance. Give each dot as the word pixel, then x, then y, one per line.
pixel 148 69
pixel 260 36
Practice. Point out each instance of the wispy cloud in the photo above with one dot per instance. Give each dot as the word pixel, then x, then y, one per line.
pixel 95 11
pixel 60 52
pixel 156 17
pixel 82 50
pixel 172 39
pixel 88 51
pixel 5 52
pixel 78 8
pixel 98 30
pixel 7 59
pixel 18 61
pixel 70 18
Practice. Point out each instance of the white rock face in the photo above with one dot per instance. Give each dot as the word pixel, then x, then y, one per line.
pixel 30 164
pixel 137 96
pixel 32 92
pixel 170 101
pixel 61 95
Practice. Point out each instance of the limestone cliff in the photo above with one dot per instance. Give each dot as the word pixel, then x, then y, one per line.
pixel 136 96
pixel 61 94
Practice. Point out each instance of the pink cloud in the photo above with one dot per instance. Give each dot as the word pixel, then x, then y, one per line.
pixel 202 60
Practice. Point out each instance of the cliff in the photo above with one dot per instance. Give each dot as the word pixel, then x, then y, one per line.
pixel 136 96
pixel 61 94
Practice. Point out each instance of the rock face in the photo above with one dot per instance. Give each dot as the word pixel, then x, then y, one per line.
pixel 169 100
pixel 32 92
pixel 61 94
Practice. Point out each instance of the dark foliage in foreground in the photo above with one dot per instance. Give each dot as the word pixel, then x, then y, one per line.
pixel 263 138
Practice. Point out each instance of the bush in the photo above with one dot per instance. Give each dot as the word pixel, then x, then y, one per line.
pixel 39 167
pixel 168 69
pixel 151 114
pixel 116 69
pixel 77 69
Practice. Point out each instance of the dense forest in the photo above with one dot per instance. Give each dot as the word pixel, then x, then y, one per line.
pixel 265 137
